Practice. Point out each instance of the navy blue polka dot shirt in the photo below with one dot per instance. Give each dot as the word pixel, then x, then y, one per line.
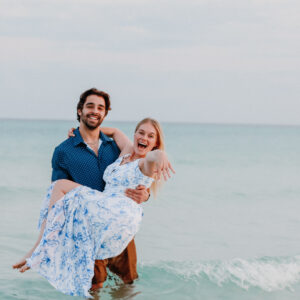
pixel 73 160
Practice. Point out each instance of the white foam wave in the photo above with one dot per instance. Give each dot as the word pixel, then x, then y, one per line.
pixel 267 273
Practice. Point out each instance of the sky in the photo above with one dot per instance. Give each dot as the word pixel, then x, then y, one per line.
pixel 204 61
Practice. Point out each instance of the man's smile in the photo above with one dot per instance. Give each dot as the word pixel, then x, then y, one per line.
pixel 93 117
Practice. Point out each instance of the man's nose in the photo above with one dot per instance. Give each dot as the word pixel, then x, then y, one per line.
pixel 95 111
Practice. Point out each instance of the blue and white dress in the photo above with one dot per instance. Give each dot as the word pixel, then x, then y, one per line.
pixel 86 225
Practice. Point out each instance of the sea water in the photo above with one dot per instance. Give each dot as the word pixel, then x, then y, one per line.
pixel 226 226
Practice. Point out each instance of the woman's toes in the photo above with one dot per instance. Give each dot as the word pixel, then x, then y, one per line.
pixel 24 269
pixel 19 264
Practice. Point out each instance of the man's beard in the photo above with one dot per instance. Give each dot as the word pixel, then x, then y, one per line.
pixel 84 119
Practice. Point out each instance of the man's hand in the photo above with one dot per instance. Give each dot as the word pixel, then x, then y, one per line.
pixel 139 194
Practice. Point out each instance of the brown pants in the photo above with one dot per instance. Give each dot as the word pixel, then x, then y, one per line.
pixel 123 265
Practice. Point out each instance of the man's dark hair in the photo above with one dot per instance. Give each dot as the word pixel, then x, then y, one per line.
pixel 93 91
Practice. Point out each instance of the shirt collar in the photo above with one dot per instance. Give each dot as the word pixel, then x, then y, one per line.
pixel 77 139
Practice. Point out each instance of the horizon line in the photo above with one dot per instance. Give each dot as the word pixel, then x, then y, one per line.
pixel 172 122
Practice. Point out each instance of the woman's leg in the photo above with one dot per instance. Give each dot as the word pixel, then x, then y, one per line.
pixel 22 262
pixel 60 188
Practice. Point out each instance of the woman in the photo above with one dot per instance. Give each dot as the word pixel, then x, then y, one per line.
pixel 79 224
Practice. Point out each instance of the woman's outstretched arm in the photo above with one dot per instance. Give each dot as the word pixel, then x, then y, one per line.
pixel 156 164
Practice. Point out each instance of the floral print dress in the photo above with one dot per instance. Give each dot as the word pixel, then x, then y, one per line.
pixel 86 225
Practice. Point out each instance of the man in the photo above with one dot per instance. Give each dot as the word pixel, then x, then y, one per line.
pixel 83 159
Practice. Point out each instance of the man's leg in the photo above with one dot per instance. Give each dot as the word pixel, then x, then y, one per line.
pixel 100 274
pixel 124 265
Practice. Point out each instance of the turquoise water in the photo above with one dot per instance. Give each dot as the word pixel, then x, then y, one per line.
pixel 226 226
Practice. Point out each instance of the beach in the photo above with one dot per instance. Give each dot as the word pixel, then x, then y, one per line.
pixel 226 226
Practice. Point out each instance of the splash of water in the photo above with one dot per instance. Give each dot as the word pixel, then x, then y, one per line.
pixel 267 273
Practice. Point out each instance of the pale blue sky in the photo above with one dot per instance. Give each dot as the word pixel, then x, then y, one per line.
pixel 192 60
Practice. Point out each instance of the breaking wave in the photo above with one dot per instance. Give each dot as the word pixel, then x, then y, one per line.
pixel 267 273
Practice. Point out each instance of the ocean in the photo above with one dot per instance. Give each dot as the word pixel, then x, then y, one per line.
pixel 225 226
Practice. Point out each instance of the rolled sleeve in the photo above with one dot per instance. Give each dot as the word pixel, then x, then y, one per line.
pixel 58 170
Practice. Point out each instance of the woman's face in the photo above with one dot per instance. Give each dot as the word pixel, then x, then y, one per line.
pixel 145 139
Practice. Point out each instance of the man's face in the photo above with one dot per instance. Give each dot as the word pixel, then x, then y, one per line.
pixel 93 112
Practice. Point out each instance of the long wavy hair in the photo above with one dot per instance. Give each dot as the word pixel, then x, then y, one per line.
pixel 160 145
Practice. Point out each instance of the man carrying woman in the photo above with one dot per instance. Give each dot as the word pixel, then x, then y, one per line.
pixel 83 159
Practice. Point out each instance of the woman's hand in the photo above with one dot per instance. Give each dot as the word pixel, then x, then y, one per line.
pixel 163 166
pixel 160 164
pixel 71 132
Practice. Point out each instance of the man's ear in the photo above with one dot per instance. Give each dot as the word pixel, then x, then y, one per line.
pixel 79 111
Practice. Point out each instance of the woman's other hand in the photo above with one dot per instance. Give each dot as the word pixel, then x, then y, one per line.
pixel 71 132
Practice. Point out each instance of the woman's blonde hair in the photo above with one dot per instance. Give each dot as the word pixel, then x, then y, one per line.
pixel 160 145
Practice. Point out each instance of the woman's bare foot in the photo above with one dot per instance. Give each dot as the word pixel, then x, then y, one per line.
pixel 22 262
pixel 24 269
pixel 19 264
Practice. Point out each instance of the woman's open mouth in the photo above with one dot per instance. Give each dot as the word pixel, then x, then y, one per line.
pixel 142 146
